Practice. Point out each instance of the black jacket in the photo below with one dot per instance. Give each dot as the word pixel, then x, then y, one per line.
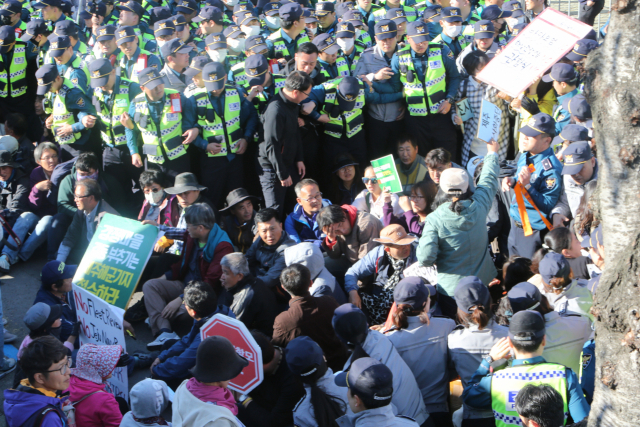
pixel 15 196
pixel 282 145
pixel 252 303
pixel 76 237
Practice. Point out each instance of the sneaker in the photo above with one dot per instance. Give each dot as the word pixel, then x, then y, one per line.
pixel 9 366
pixel 161 339
pixel 9 337
pixel 137 312
pixel 5 265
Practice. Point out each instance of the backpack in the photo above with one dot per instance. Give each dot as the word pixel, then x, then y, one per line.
pixel 66 414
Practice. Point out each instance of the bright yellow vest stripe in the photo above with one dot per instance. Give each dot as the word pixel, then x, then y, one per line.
pixel 14 82
pixel 353 118
pixel 112 131
pixel 222 130
pixel 279 46
pixel 62 116
pixel 434 88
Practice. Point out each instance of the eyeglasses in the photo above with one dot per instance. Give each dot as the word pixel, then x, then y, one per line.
pixel 64 368
pixel 372 180
pixel 80 197
pixel 46 159
pixel 316 197
pixel 306 94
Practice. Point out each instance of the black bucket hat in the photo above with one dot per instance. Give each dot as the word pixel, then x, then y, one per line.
pixel 236 196
pixel 185 182
pixel 228 364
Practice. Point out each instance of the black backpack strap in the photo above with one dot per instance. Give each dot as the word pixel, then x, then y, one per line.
pixel 36 419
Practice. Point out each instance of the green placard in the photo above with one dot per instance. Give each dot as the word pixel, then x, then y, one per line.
pixel 385 170
pixel 117 254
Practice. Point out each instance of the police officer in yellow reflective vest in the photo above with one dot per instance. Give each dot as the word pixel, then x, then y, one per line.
pixel 227 123
pixel 351 48
pixel 134 59
pixel 284 43
pixel 332 63
pixel 427 75
pixel 164 120
pixel 453 32
pixel 71 113
pixel 70 66
pixel 496 383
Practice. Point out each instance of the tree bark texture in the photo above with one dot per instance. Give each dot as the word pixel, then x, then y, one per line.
pixel 613 90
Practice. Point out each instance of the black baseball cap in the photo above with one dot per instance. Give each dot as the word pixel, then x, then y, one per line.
pixel 106 32
pixel 483 30
pixel 326 44
pixel 125 35
pixel 304 356
pixel 527 322
pixel 451 14
pixel 179 21
pixel 368 377
pixel 7 37
pixel 174 46
pixel 471 292
pixel 324 7
pixel 35 27
pixel 150 78
pixel 514 7
pixel 164 27
pixel 354 17
pixel 581 49
pixel 494 12
pixel 54 271
pixel 159 13
pixel 196 66
pixel 411 290
pixel 256 68
pixel 397 15
pixel 58 45
pixel 216 41
pixel 345 29
pixel 578 106
pixel 432 11
pixel 45 76
pixel 561 72
pixel 292 11
pixel 348 90
pixel 187 6
pixel 271 9
pixel 539 124
pixel 209 13
pixel 132 6
pixel 385 29
pixel 350 324
pixel 44 3
pixel 10 7
pixel 418 31
pixel 66 28
pixel 344 7
pixel 99 70
pixel 524 296
pixel 255 44
pixel 575 156
pixel 241 8
pixel 214 76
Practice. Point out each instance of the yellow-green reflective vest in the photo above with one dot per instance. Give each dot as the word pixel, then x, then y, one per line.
pixel 409 11
pixel 221 130
pixel 359 47
pixel 465 39
pixel 239 75
pixel 260 101
pixel 13 81
pixel 143 38
pixel 343 68
pixel 165 141
pixel 280 48
pixel 62 116
pixel 434 87
pixel 137 67
pixel 78 64
pixel 506 383
pixel 112 131
pixel 365 38
pixel 352 119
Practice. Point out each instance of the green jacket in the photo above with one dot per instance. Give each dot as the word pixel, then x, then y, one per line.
pixel 458 244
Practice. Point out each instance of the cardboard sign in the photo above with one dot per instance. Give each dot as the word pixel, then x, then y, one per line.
pixel 463 109
pixel 540 45
pixel 102 325
pixel 117 254
pixel 386 173
pixel 489 122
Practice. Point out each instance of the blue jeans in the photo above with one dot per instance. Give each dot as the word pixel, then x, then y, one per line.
pixel 1 334
pixel 28 222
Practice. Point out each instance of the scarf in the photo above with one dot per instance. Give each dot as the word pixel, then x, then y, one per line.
pixel 216 236
pixel 212 394
pixel 398 268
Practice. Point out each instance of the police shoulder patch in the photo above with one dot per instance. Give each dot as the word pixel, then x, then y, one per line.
pixel 586 360
pixel 74 80
pixel 80 102
pixel 551 183
pixel 546 164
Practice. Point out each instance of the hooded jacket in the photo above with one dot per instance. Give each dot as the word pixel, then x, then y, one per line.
pixel 364 228
pixel 20 404
pixel 252 303
pixel 149 399
pixel 267 261
pixel 299 229
pixel 14 198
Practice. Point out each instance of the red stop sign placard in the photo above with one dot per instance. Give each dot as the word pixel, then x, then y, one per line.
pixel 236 332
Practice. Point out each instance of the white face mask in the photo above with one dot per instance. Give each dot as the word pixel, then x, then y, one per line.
pixel 154 198
pixel 345 44
pixel 218 55
pixel 359 32
pixel 313 30
pixel 160 43
pixel 453 31
pixel 236 44
pixel 273 22
pixel 250 30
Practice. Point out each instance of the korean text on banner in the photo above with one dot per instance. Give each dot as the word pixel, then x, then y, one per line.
pixel 113 263
pixel 386 173
pixel 489 123
pixel 540 45
pixel 102 325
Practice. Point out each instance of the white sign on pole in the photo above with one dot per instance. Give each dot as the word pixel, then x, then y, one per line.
pixel 489 122
pixel 540 45
pixel 102 325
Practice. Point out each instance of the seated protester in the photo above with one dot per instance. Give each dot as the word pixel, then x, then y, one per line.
pixel 149 399
pixel 580 167
pixel 323 282
pixel 421 341
pixel 384 266
pixel 94 366
pixel 91 210
pixel 158 206
pixel 47 156
pixel 483 40
pixel 416 207
pixel 271 404
pixel 47 367
pixel 372 199
pixel 410 165
pixel 491 387
pixel 266 254
pixel 204 246
pixel 205 400
pixel 302 224
pixel 56 289
pixel 248 297
pixel 531 400
pixel 351 327
pixel 346 179
pixel 238 219
pixel 323 401
pixel 563 241
pixel 43 320
pixel 308 315
pixel 16 126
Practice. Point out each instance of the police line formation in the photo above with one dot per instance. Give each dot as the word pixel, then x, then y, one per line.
pixel 245 133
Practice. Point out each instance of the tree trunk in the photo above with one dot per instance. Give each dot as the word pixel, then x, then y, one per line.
pixel 613 90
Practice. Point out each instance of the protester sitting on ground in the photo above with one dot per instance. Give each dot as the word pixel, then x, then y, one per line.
pixel 204 246
pixel 247 296
pixel 323 401
pixel 43 320
pixel 373 200
pixel 91 210
pixel 158 205
pixel 308 315
pixel 416 207
pixel 563 241
pixel 351 327
pixel 94 366
pixel 47 156
pixel 56 289
pixel 271 403
pixel 410 165
pixel 346 180
pixel 16 126
pixel 149 399
pixel 540 406
pixel 310 255
pixel 266 254
pixel 47 367
pixel 301 224
pixel 238 218
pixel 205 400
pixel 370 389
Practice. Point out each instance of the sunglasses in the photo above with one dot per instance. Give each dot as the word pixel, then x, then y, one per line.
pixel 372 180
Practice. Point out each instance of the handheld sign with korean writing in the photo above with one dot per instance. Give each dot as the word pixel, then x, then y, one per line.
pixel 464 109
pixel 386 173
pixel 489 122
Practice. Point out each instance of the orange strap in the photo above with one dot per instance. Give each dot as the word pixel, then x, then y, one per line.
pixel 521 194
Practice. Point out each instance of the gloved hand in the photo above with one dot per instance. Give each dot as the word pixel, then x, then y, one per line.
pixel 530 106
pixel 76 329
pixel 124 360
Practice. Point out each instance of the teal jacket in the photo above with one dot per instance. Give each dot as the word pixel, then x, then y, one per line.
pixel 458 244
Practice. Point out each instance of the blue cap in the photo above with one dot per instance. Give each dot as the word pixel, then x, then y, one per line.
pixel 246 17
pixel 256 68
pixel 150 78
pixel 58 45
pixel 242 8
pixel 45 76
pixel 309 15
pixel 348 91
pixel 304 356
pixel 539 124
pixel 100 9
pixel 232 32
pixel 369 378
pixel 216 41
pixel 66 7
pixel 324 7
pixel 554 265
pixel 209 13
pixel 291 12
pixel 197 65
pixel 524 296
pixel 271 9
pixel 54 271
pixel 35 27
pixel 451 14
pixel 526 326
pixel 255 44
pixel 7 37
pixel 44 3
pixel 179 21
pixel 470 292
pixel 99 71
pixel 493 12
pixel 11 7
pixel 385 29
pixel 581 49
pixel 174 46
pixel 596 239
pixel 132 6
pixel 397 15
pixel 342 8
pixel 483 30
pixel 514 7
pixel 418 31
pixel 66 28
pixel 431 12
pixel 412 291
pixel 164 27
pixel 214 76
pixel 578 106
pixel 159 13
pixel 345 30
pixel 354 17
pixel 561 72
pixel 326 43
pixel 575 156
pixel 518 28
pixel 187 6
pixel 106 32
pixel 574 133
pixel 350 324
pixel 125 34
